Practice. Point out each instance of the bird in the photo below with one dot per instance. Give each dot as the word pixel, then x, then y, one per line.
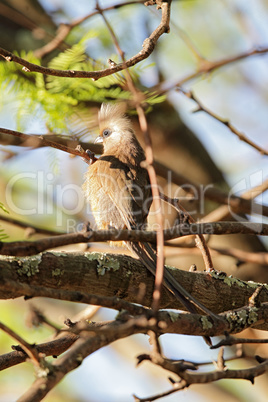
pixel 117 186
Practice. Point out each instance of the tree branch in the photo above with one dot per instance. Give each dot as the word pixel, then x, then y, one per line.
pixel 65 29
pixel 52 348
pixel 207 67
pixel 147 49
pixel 29 227
pixel 235 203
pixel 28 349
pixel 234 130
pixel 187 378
pixel 93 339
pixel 81 276
pixel 26 248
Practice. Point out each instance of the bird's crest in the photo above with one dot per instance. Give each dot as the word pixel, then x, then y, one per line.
pixel 113 117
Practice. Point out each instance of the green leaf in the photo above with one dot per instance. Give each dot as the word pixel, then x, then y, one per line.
pixel 3 208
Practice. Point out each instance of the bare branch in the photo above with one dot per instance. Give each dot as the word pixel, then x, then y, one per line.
pixel 53 348
pixel 223 212
pixel 65 29
pixel 243 256
pixel 115 330
pixel 33 229
pixel 35 141
pixel 207 67
pixel 231 340
pixel 200 240
pixel 234 130
pixel 162 323
pixel 187 378
pixel 28 349
pixel 147 49
pixel 26 248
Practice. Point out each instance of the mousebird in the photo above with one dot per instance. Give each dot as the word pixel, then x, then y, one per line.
pixel 119 192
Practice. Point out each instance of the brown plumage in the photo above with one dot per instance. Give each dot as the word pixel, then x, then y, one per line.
pixel 119 192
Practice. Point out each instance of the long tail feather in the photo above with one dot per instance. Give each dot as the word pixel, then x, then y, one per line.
pixel 147 255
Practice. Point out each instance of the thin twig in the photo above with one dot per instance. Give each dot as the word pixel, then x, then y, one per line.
pixel 231 340
pixel 234 130
pixel 28 349
pixel 159 275
pixel 65 29
pixel 245 256
pixel 176 387
pixel 206 68
pixel 241 255
pixel 36 317
pixel 200 240
pixel 188 378
pixel 25 225
pixel 147 49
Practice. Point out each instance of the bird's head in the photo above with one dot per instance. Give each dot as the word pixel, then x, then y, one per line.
pixel 115 127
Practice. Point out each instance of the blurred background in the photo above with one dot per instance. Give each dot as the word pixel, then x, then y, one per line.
pixel 43 186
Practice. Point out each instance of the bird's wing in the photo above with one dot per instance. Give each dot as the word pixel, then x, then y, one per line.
pixel 116 184
pixel 127 187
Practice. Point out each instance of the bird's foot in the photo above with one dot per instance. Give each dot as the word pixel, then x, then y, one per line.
pixel 91 157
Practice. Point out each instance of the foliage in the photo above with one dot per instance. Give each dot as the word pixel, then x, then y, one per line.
pixel 54 100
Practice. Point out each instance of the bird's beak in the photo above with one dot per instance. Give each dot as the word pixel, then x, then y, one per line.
pixel 98 140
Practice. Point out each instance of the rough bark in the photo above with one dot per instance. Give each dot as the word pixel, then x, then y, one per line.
pixel 116 275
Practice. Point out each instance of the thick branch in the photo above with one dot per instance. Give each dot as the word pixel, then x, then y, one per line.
pixel 115 275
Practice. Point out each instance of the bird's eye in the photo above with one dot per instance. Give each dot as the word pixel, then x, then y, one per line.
pixel 106 133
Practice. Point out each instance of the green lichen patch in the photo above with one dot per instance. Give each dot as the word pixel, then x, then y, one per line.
pixel 57 272
pixel 58 253
pixel 243 318
pixel 105 262
pixel 229 280
pixel 173 316
pixel 29 265
pixel 252 316
pixel 206 324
